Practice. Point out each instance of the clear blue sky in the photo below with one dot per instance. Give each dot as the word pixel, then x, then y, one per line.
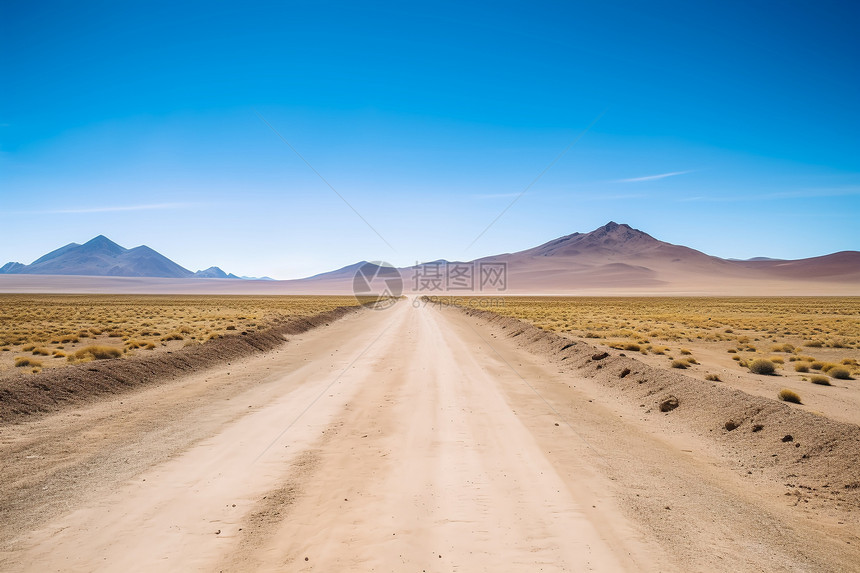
pixel 138 122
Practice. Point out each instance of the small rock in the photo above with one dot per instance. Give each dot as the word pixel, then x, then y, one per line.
pixel 599 356
pixel 757 428
pixel 624 373
pixel 731 425
pixel 788 438
pixel 218 532
pixel 669 404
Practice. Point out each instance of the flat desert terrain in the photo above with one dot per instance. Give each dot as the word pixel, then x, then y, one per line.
pixel 427 437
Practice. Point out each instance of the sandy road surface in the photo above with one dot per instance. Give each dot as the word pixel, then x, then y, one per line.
pixel 408 439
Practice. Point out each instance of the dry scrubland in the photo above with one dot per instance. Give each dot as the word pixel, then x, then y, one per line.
pixel 807 339
pixel 44 331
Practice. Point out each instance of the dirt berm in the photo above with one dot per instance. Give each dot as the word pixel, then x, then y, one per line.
pixel 814 458
pixel 25 395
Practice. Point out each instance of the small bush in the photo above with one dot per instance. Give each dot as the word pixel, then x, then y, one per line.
pixel 849 362
pixel 96 353
pixel 23 361
pixel 28 348
pixel 686 351
pixel 813 344
pixel 840 373
pixel 762 366
pixel 732 351
pixel 713 378
pixel 782 348
pixel 682 364
pixel 820 380
pixel 817 365
pixel 777 360
pixel 801 367
pixel 787 395
pixel 41 352
pixel 632 347
pixel 828 366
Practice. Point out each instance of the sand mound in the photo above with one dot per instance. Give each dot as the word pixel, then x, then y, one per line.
pixel 820 463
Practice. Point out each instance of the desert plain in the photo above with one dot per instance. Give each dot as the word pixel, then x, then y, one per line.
pixel 419 433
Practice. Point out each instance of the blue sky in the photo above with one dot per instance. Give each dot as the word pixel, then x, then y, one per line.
pixel 731 127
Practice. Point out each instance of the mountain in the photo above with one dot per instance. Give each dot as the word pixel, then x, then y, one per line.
pixel 620 257
pixel 614 259
pixel 102 257
pixel 214 273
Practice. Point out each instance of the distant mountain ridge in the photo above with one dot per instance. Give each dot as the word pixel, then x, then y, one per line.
pixel 617 255
pixel 102 257
pixel 614 258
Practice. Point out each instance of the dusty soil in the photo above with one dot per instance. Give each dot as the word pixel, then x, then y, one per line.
pixel 426 438
pixel 840 401
pixel 24 395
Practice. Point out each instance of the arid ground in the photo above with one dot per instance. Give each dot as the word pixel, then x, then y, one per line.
pixel 423 437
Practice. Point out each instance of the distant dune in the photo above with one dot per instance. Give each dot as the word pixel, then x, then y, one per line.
pixel 614 259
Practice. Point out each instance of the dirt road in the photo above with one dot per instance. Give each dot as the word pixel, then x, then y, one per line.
pixel 409 439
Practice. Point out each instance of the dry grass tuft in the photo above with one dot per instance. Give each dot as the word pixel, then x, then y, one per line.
pixel 840 373
pixel 762 366
pixel 96 352
pixel 782 348
pixel 820 380
pixel 787 395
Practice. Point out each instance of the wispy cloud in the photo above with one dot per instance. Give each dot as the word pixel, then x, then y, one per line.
pixel 116 208
pixel 847 191
pixel 495 195
pixel 652 177
pixel 107 209
pixel 619 197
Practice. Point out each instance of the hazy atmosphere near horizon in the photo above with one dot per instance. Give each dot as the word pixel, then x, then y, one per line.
pixel 728 127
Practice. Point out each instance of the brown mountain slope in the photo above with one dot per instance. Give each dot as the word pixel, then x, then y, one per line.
pixel 614 259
